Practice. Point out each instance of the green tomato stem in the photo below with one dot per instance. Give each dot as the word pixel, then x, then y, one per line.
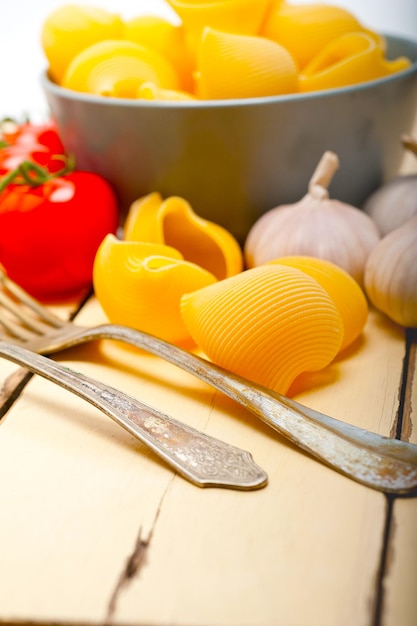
pixel 32 174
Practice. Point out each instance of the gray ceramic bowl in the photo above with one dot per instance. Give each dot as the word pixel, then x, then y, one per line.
pixel 233 160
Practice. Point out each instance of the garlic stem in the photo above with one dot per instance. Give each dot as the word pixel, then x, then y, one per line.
pixel 315 226
pixel 322 175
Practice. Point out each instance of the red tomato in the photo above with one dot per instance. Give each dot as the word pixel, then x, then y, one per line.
pixel 49 234
pixel 39 143
pixel 25 134
pixel 12 156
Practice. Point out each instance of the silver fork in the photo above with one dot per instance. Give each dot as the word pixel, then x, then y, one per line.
pixel 203 460
pixel 381 463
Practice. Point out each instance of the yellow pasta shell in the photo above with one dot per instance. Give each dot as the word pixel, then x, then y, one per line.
pixel 140 285
pixel 167 39
pixel 149 91
pixel 268 324
pixel 304 29
pixel 243 66
pixel 117 68
pixel 174 223
pixel 232 16
pixel 344 291
pixel 71 28
pixel 348 60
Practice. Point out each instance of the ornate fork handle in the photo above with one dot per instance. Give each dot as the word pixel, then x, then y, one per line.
pixel 378 462
pixel 202 459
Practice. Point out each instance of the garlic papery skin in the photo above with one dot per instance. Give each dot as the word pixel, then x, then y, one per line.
pixel 391 275
pixel 316 226
pixel 395 202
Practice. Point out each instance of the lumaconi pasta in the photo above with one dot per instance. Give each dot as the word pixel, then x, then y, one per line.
pixel 166 38
pixel 349 59
pixel 242 66
pixel 140 285
pixel 71 28
pixel 149 91
pixel 268 324
pixel 304 29
pixel 344 291
pixel 231 16
pixel 173 222
pixel 117 68
pixel 217 49
pixel 274 324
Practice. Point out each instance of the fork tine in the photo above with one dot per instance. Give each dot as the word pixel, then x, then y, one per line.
pixel 13 330
pixel 22 296
pixel 31 323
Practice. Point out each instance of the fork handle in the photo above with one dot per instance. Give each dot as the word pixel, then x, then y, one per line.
pixel 203 460
pixel 381 463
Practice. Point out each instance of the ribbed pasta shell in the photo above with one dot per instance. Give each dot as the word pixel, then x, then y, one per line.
pixel 348 60
pixel 243 66
pixel 304 29
pixel 174 223
pixel 71 28
pixel 344 291
pixel 232 16
pixel 149 91
pixel 267 324
pixel 141 284
pixel 116 68
pixel 167 39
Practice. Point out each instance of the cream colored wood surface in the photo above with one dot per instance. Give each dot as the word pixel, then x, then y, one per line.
pixel 80 497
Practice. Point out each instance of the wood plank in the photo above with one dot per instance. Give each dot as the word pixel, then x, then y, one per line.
pixel 79 496
pixel 400 601
pixel 400 579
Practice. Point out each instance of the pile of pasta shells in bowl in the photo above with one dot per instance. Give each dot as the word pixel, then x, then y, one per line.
pixel 229 104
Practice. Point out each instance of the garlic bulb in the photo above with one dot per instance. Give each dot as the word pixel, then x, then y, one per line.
pixel 391 274
pixel 315 226
pixel 395 202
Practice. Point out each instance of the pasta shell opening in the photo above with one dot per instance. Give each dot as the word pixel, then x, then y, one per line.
pixel 350 59
pixel 117 68
pixel 140 285
pixel 174 223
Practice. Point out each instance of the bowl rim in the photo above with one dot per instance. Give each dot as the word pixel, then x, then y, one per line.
pixel 49 86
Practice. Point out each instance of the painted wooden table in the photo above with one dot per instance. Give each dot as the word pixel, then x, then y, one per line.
pixel 94 529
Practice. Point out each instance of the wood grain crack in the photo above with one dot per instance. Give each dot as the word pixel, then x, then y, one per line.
pixel 409 391
pixel 402 425
pixel 384 562
pixel 134 563
pixel 11 389
pixel 401 429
